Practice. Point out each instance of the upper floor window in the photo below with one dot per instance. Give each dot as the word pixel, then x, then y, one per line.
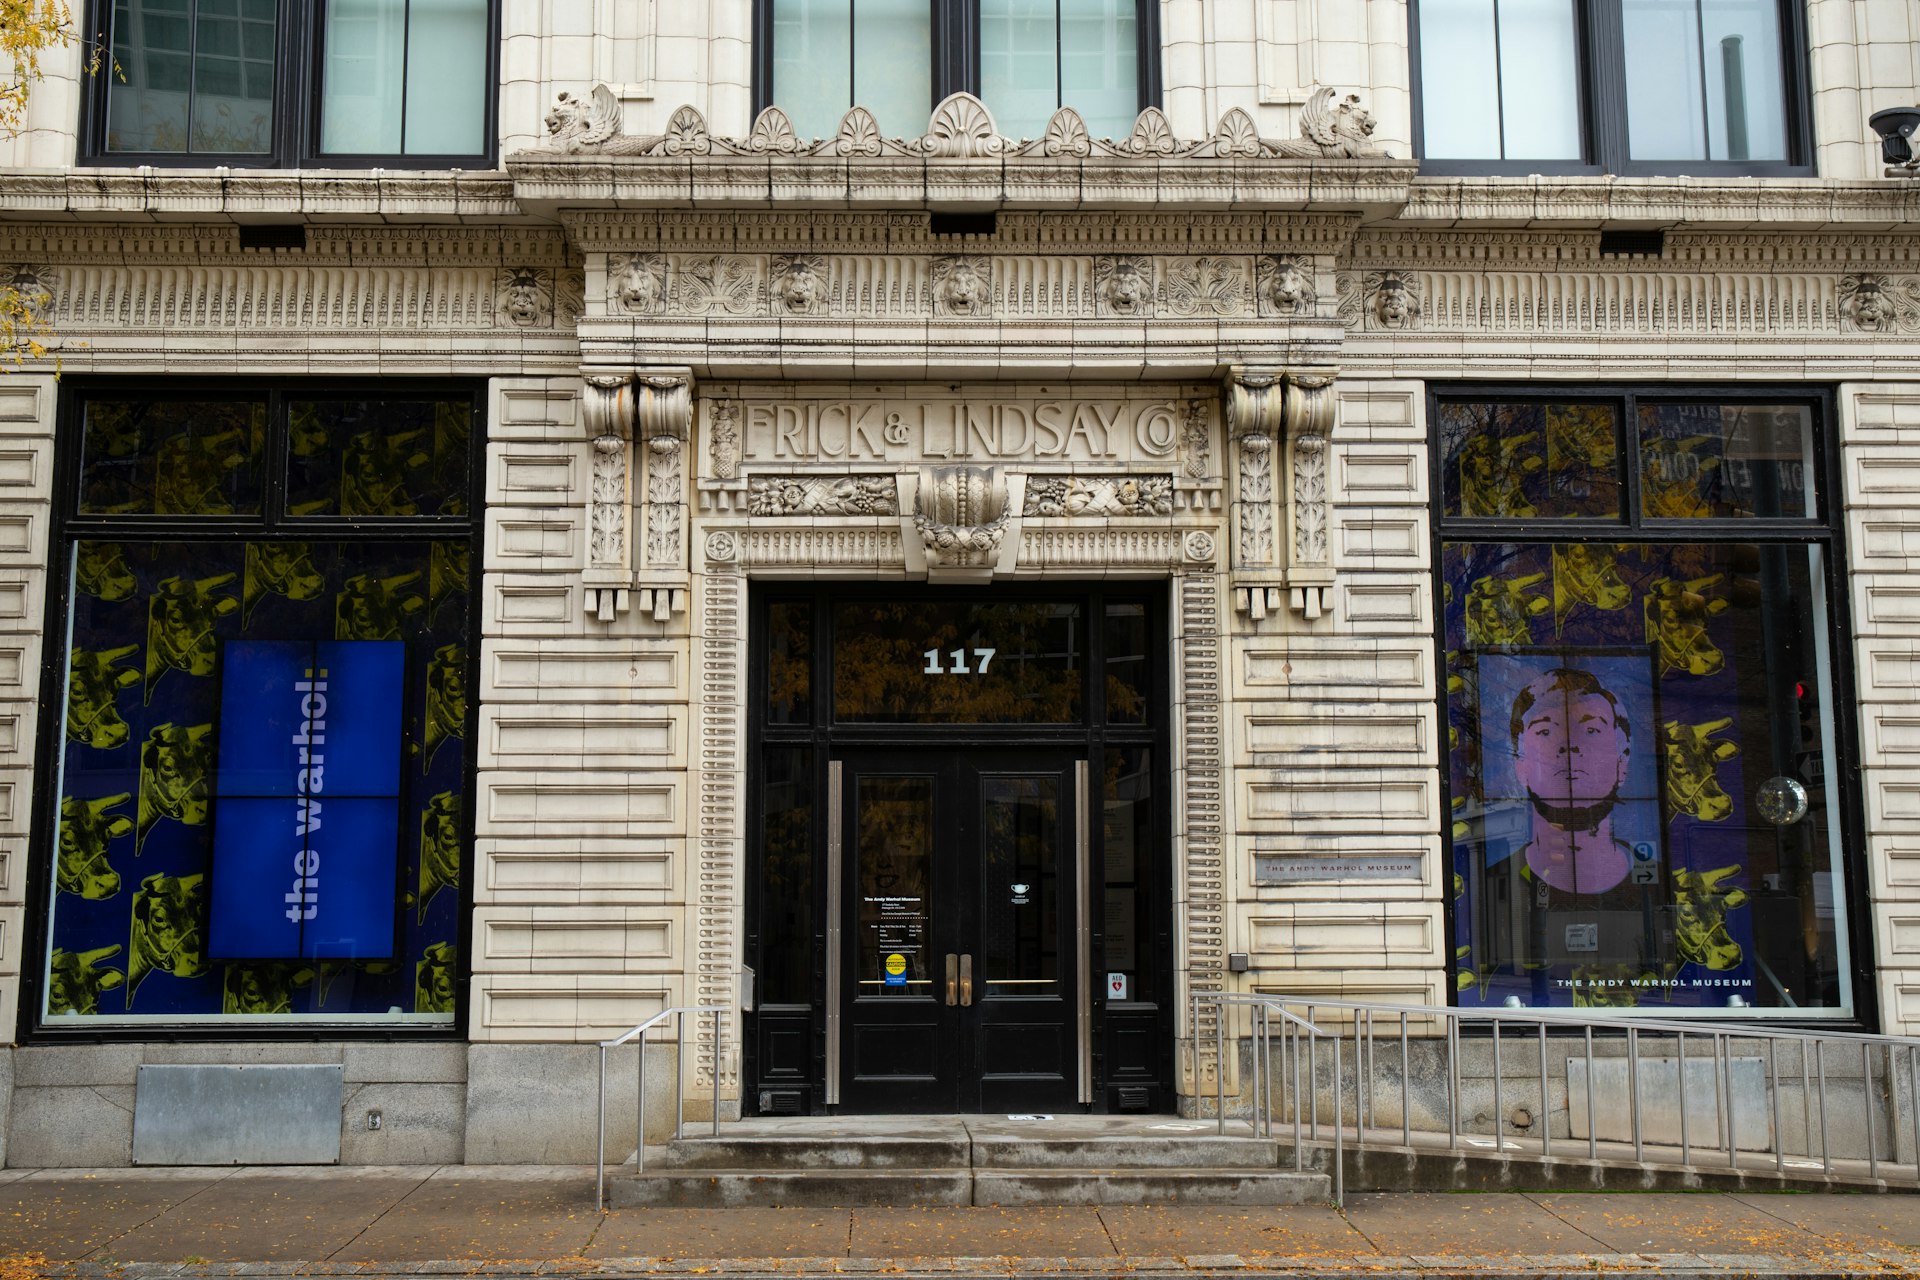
pixel 1616 86
pixel 897 58
pixel 225 82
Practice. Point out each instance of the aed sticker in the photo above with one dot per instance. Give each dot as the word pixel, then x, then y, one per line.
pixel 896 969
pixel 1646 863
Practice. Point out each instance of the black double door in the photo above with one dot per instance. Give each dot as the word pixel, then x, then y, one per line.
pixel 961 910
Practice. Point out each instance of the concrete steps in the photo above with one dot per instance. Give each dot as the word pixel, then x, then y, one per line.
pixel 1080 1160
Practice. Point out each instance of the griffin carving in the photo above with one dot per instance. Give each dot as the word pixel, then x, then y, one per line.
pixel 1330 130
pixel 579 124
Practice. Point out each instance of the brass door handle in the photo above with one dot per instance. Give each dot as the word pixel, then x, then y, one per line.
pixel 953 977
pixel 966 980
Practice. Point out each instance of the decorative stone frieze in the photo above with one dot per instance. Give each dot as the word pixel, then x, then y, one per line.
pixel 886 285
pixel 396 282
pixel 1205 287
pixel 1099 496
pixel 856 495
pixel 1876 303
pixel 636 282
pixel 35 285
pixel 799 283
pixel 962 285
pixel 1285 286
pixel 1123 286
pixel 525 297
pixel 1535 285
pixel 1393 299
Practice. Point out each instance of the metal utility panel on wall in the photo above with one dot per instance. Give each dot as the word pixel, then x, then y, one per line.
pixel 237 1115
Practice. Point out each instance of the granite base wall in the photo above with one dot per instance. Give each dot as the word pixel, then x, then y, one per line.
pixel 71 1106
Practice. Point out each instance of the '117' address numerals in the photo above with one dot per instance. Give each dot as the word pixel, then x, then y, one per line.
pixel 957 666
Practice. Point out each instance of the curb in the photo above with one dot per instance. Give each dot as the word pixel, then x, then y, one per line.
pixel 1667 1266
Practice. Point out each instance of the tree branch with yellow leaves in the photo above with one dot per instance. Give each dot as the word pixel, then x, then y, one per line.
pixel 29 31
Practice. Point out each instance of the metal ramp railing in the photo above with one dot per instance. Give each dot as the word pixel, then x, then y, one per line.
pixel 637 1036
pixel 1691 1096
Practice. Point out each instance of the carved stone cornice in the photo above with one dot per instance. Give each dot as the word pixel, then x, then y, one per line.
pixel 882 231
pixel 245 195
pixel 961 128
pixel 1759 204
pixel 961 159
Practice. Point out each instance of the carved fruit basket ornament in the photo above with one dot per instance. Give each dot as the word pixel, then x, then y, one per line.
pixel 962 515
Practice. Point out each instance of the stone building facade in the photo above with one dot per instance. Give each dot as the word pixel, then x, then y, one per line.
pixel 682 480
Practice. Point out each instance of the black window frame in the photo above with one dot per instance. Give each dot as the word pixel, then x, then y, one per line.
pixel 1600 50
pixel 69 525
pixel 299 63
pixel 956 51
pixel 1824 527
pixel 822 734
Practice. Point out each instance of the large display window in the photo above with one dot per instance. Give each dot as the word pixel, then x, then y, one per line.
pixel 1640 679
pixel 259 801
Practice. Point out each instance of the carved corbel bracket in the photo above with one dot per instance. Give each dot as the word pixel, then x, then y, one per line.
pixel 663 424
pixel 1307 417
pixel 964 523
pixel 608 409
pixel 1254 399
pixel 1278 427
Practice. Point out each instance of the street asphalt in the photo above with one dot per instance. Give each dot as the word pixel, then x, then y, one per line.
pixel 452 1219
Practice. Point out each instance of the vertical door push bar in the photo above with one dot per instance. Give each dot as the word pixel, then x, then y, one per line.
pixel 1083 927
pixel 834 904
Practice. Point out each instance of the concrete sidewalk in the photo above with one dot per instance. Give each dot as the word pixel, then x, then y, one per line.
pixel 520 1220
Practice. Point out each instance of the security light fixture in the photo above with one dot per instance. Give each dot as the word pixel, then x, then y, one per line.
pixel 1896 126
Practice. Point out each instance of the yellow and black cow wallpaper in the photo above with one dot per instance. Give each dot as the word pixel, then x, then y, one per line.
pixel 150 620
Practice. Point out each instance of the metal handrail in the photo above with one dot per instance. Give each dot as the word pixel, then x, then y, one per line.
pixel 639 1033
pixel 1262 1009
pixel 1602 1021
pixel 1446 1024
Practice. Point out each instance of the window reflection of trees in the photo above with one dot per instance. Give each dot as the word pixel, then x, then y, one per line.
pixel 893 820
pixel 880 663
pixel 786 882
pixel 790 662
pixel 1021 825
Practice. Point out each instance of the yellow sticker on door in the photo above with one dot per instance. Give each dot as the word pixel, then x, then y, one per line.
pixel 896 967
